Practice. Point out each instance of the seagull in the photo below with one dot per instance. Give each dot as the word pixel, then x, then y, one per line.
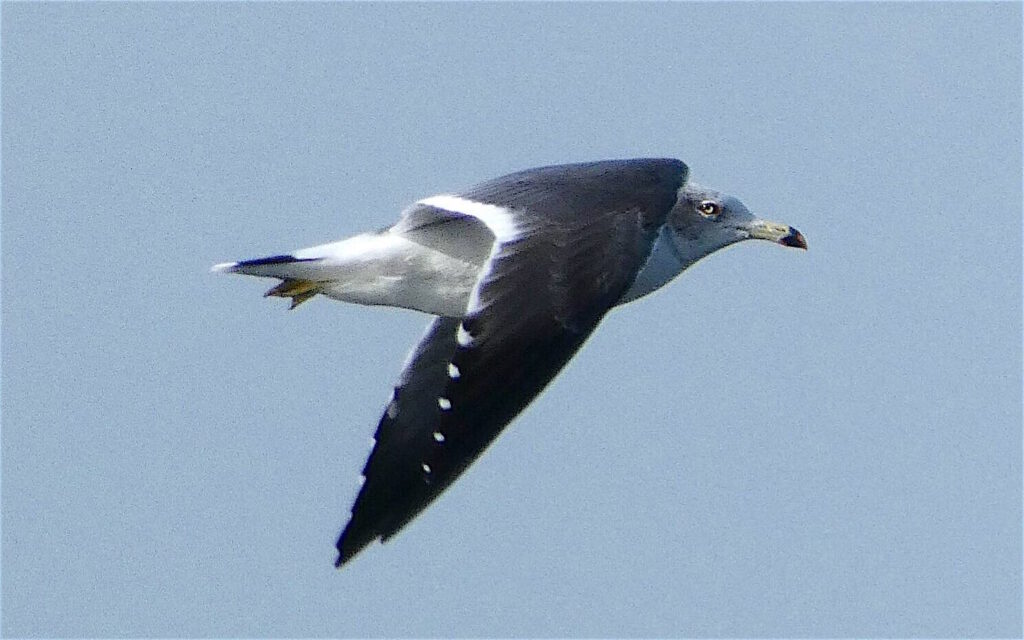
pixel 518 272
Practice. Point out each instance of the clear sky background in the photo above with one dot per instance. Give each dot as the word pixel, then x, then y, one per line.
pixel 777 444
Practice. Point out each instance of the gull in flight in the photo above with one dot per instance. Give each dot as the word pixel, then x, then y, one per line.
pixel 518 272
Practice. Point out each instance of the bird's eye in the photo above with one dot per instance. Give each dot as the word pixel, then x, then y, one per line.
pixel 709 208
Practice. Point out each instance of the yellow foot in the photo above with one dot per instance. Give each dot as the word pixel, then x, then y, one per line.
pixel 298 290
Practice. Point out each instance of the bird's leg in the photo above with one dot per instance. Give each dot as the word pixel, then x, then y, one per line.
pixel 298 290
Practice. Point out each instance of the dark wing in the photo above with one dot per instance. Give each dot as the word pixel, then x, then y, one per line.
pixel 408 421
pixel 583 233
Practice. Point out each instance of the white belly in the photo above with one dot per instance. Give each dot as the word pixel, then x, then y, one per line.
pixel 398 273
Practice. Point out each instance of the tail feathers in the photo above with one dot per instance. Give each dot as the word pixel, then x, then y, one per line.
pixel 297 275
pixel 281 266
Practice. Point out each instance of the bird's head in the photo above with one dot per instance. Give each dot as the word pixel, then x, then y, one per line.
pixel 704 221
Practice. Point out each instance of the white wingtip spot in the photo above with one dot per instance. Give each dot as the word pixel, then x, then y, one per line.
pixel 392 410
pixel 362 479
pixel 463 337
pixel 438 436
pixel 444 403
pixel 453 371
pixel 425 467
pixel 223 267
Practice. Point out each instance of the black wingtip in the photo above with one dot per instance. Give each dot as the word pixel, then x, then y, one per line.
pixel 342 556
pixel 350 543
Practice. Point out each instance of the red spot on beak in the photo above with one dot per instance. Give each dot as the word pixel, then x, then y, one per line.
pixel 794 239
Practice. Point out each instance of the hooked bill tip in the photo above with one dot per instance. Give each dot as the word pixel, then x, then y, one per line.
pixel 794 239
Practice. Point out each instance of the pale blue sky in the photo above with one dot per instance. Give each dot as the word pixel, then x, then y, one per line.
pixel 777 444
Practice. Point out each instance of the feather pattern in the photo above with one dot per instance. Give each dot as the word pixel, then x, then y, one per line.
pixel 581 234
